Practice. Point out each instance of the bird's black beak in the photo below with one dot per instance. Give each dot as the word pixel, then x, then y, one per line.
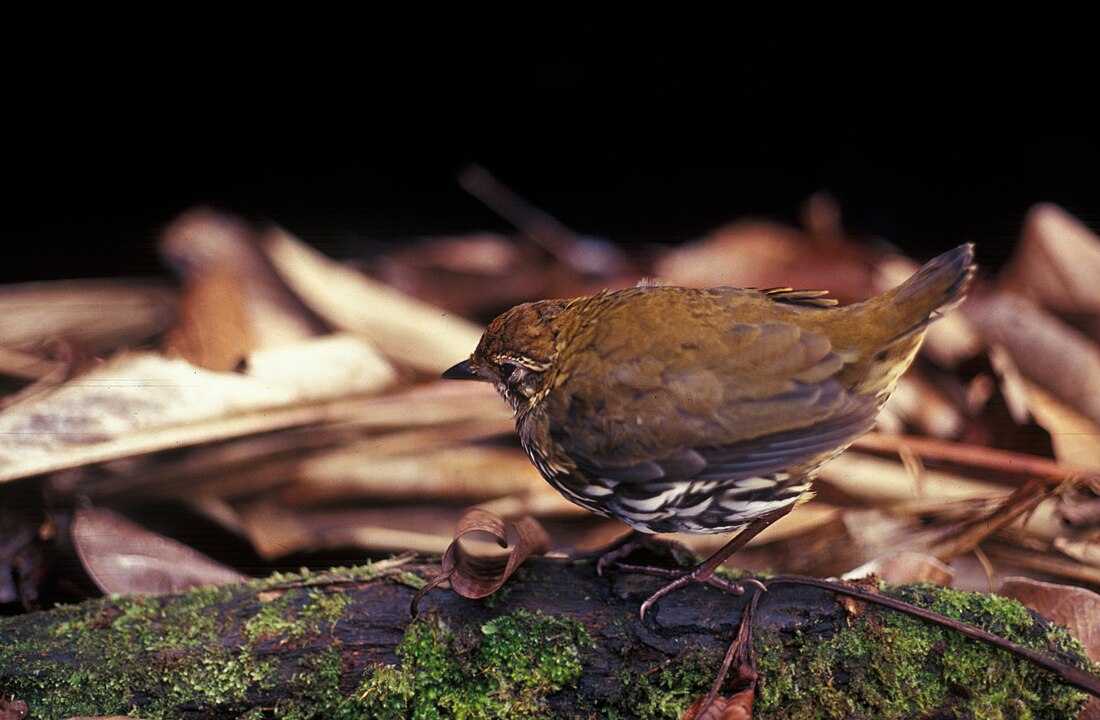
pixel 461 371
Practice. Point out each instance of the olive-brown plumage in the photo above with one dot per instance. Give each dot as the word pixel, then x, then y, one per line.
pixel 677 409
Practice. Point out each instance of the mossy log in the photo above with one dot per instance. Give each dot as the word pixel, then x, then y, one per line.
pixel 556 641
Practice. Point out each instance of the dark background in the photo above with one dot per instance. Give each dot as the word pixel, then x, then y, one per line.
pixel 347 129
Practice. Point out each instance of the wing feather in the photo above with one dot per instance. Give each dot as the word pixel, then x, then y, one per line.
pixel 753 399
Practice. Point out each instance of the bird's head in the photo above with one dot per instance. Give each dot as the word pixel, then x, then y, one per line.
pixel 516 354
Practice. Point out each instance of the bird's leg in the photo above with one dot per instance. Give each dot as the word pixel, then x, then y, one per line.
pixel 704 571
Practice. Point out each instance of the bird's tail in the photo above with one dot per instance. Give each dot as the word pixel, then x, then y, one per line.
pixel 885 332
pixel 928 294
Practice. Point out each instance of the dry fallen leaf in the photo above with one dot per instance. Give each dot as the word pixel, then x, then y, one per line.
pixel 920 404
pixel 1059 358
pixel 754 253
pixel 1076 438
pixel 143 402
pixel 97 314
pixel 123 557
pixel 212 331
pixel 419 335
pixel 485 552
pixel 736 707
pixel 1074 608
pixel 902 567
pixel 1057 262
pixel 277 530
pixel 473 275
pixel 475 573
pixel 202 245
pixel 13 709
pixel 461 472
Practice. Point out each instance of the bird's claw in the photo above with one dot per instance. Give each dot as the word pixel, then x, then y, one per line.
pixel 736 588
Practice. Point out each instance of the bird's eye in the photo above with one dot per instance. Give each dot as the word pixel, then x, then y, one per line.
pixel 506 369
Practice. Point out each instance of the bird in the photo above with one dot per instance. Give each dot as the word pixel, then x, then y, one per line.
pixel 703 410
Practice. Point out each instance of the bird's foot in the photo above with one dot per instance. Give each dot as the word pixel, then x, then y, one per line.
pixel 702 573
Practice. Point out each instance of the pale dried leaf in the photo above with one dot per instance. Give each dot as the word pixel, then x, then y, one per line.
pixel 876 533
pixel 1044 564
pixel 123 557
pixel 543 501
pixel 438 403
pixel 28 366
pixel 457 473
pixel 142 402
pixel 1013 386
pixel 921 405
pixel 904 567
pixel 1057 261
pixel 1075 608
pixel 441 414
pixel 98 314
pixel 1084 551
pixel 1048 352
pixel 276 530
pixel 423 337
pixel 201 244
pixel 1076 438
pixel 886 481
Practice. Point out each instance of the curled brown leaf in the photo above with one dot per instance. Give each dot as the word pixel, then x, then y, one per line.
pixel 485 552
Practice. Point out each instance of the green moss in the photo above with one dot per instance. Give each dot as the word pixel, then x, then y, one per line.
pixel 170 648
pixel 669 689
pixel 506 669
pixel 133 646
pixel 885 665
pixel 896 666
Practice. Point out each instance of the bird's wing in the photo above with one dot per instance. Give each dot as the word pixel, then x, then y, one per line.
pixel 754 400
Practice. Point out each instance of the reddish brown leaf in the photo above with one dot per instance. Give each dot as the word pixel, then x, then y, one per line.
pixel 201 244
pixel 12 709
pixel 485 552
pixel 1075 608
pixel 477 570
pixel 737 707
pixel 753 253
pixel 213 330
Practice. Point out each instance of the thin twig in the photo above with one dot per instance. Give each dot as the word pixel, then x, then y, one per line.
pixel 1006 463
pixel 966 536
